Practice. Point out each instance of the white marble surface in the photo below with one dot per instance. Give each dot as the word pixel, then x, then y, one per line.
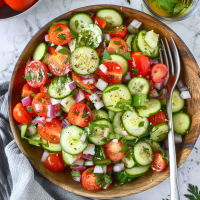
pixel 15 34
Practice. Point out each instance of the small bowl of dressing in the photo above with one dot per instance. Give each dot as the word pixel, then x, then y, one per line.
pixel 177 12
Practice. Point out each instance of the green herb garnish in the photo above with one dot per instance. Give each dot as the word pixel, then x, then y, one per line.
pixel 106 55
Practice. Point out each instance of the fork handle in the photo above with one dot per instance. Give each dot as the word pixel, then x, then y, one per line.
pixel 174 190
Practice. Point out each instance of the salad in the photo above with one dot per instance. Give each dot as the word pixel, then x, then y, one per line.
pixel 95 100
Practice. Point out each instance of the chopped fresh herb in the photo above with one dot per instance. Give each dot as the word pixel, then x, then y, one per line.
pixel 76 23
pixel 155 71
pixel 33 142
pixel 124 146
pixel 141 124
pixel 84 114
pixel 121 47
pixel 124 105
pixel 29 109
pixel 89 91
pixel 66 102
pixel 112 89
pixel 40 100
pixel 98 181
pixel 65 61
pixel 49 74
pixel 118 51
pixel 195 193
pixel 75 113
pixel 44 102
pixel 58 29
pixel 106 55
pixel 135 71
pixel 63 51
pixel 107 178
pixel 47 110
pixel 113 30
pixel 104 140
pixel 75 139
pixel 62 36
pixel 46 144
pixel 127 55
pixel 22 96
pixel 146 150
pixel 29 76
pixel 88 83
pixel 89 170
pixel 117 42
pixel 74 35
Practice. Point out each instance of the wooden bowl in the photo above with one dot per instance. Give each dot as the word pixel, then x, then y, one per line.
pixel 190 74
pixel 7 12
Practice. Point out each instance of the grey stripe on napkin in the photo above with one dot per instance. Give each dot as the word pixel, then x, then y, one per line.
pixel 18 179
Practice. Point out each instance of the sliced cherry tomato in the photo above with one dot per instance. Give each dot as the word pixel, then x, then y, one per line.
pixel 109 168
pixel 42 100
pixel 36 74
pixel 78 79
pixel 100 52
pixel 112 150
pixel 20 5
pixel 159 73
pixel 113 74
pixel 88 94
pixel 59 64
pixel 27 90
pixel 118 32
pixel 30 110
pixel 21 115
pixel 50 131
pixel 59 34
pixel 117 45
pixel 139 65
pixel 51 50
pixel 158 118
pixel 80 114
pixel 99 21
pixel 96 74
pixel 148 77
pixel 55 163
pixel 44 89
pixel 89 180
pixel 159 163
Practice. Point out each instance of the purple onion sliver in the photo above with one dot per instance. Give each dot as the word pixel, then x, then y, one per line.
pixel 46 38
pixel 185 95
pixel 78 178
pixel 65 123
pixel 34 121
pixel 178 139
pixel 94 97
pixel 154 61
pixel 163 94
pixel 103 46
pixel 80 96
pixel 61 117
pixel 40 120
pixel 78 168
pixel 31 129
pixel 99 105
pixel 87 156
pixel 67 70
pixel 48 119
pixel 79 162
pixel 159 86
pixel 72 85
pixel 92 15
pixel 180 84
pixel 184 88
pixel 118 167
pixel 86 76
pixel 126 24
pixel 88 81
pixel 107 37
pixel 38 107
pixel 51 111
pixel 153 93
pixel 26 101
pixel 83 137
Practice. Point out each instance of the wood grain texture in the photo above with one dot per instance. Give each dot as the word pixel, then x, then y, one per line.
pixel 190 73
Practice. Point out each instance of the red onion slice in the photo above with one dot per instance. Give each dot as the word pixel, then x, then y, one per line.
pixel 34 121
pixel 103 46
pixel 178 139
pixel 87 76
pixel 103 68
pixel 78 179
pixel 127 77
pixel 81 168
pixel 99 105
pixel 65 123
pixel 159 86
pixel 98 170
pixel 48 119
pixel 101 84
pixel 83 137
pixel 72 85
pixel 80 96
pixel 163 94
pixel 94 97
pixel 185 95
pixel 88 81
pixel 38 107
pixel 51 111
pixel 39 120
pixel 46 38
pixel 44 156
pixel 26 101
pixel 55 101
pixel 135 23
pixel 31 129
pixel 183 89
pixel 87 156
pixel 153 93
pixel 89 163
pixel 92 15
pixel 104 167
pixel 107 37
pixel 154 61
pixel 72 44
pixel 124 133
pixel 180 84
pixel 90 149
pixel 118 167
pixel 80 162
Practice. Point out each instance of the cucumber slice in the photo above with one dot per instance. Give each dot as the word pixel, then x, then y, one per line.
pixel 106 161
pixel 99 153
pixel 137 171
pixel 123 178
pixel 79 21
pixel 134 124
pixel 67 103
pixel 23 130
pixel 151 108
pixel 139 85
pixel 142 153
pixel 159 132
pixel 35 137
pixel 120 60
pixel 68 159
pixel 91 36
pixel 181 123
pixel 58 88
pixel 139 100
pixel 53 148
pixel 128 161
pixel 40 52
pixel 70 140
pixel 115 93
pixel 84 60
pixel 177 103
pixel 154 145
pixel 111 115
pixel 143 47
pixel 151 39
pixel 111 16
pixel 129 40
pixel 97 136
pixel 99 114
pixel 134 46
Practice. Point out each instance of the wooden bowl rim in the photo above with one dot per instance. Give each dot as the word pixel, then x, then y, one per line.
pixel 67 14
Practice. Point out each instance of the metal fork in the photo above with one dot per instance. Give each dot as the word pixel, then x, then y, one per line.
pixel 174 73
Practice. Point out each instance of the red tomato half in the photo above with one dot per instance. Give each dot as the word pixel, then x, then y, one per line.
pixel 159 163
pixel 158 118
pixel 55 163
pixel 44 89
pixel 159 73
pixel 89 180
pixel 36 74
pixel 59 34
pixel 113 74
pixel 59 64
pixel 43 100
pixel 100 52
pixel 78 79
pixel 51 50
pixel 2 3
pixel 139 65
pixel 112 150
pixel 27 90
pixel 88 94
pixel 21 115
pixel 20 5
pixel 117 45
pixel 118 32
pixel 76 112
pixel 50 131
pixel 99 21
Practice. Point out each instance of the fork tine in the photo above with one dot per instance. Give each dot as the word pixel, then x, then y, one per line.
pixel 170 56
pixel 161 56
pixel 165 54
